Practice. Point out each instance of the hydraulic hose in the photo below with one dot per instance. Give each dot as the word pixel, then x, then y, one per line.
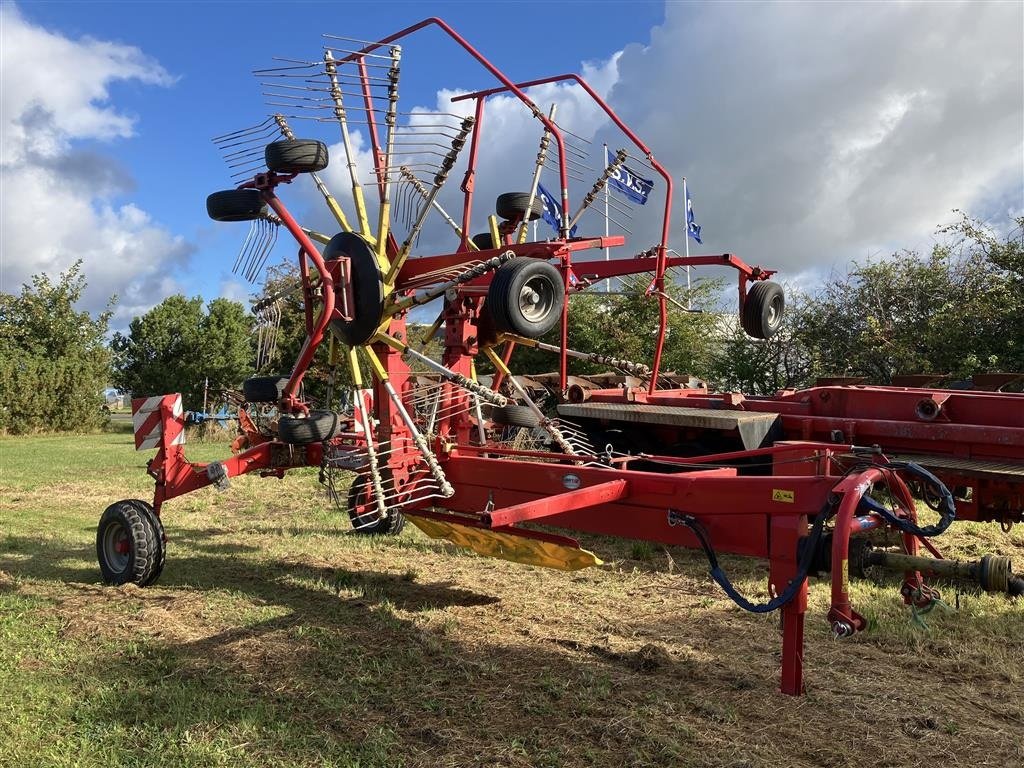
pixel 806 558
pixel 946 506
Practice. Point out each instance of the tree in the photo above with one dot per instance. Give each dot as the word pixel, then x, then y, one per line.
pixel 177 346
pixel 626 326
pixel 957 311
pixel 739 363
pixel 54 362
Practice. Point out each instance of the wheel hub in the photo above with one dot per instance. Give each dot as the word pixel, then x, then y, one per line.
pixel 368 289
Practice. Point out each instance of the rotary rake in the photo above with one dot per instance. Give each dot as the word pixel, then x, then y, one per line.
pixel 479 461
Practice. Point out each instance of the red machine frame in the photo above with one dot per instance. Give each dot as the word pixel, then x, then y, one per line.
pixel 817 468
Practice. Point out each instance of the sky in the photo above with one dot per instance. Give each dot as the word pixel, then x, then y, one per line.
pixel 810 134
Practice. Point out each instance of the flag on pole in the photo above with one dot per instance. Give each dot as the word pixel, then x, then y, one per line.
pixel 552 211
pixel 692 228
pixel 630 183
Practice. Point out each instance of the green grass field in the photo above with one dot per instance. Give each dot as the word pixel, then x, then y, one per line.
pixel 275 637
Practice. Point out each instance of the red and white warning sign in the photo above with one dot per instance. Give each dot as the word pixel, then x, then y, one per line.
pixel 151 416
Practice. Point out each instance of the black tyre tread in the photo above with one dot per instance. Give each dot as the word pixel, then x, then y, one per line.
pixel 314 428
pixel 367 288
pixel 145 553
pixel 754 315
pixel 515 416
pixel 235 205
pixel 498 291
pixel 483 240
pixel 296 156
pixel 264 389
pixel 391 525
pixel 503 297
pixel 161 540
pixel 512 206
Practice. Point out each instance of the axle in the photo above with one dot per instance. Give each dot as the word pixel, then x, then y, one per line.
pixel 992 573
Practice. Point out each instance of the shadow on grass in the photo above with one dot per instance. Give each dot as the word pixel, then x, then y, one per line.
pixel 327 665
pixel 339 673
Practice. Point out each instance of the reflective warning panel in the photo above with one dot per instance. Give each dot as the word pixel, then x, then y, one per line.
pixel 151 416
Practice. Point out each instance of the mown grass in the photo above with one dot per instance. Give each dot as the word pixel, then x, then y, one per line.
pixel 275 637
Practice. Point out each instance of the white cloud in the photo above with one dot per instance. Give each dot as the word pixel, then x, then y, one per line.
pixel 505 163
pixel 811 134
pixel 59 199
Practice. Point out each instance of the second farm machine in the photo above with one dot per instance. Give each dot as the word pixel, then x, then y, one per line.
pixel 797 479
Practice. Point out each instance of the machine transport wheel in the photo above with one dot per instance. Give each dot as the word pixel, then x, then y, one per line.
pixel 483 241
pixel 314 428
pixel 365 517
pixel 526 297
pixel 264 389
pixel 367 288
pixel 130 543
pixel 235 205
pixel 763 308
pixel 296 156
pixel 515 416
pixel 512 206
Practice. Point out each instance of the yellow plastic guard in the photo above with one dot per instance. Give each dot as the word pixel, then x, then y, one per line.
pixel 507 546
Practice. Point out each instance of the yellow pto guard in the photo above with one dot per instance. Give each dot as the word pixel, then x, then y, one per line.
pixel 507 546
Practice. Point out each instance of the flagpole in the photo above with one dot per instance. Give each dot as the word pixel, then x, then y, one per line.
pixel 686 238
pixel 607 281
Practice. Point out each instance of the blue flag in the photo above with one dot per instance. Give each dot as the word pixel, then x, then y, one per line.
pixel 552 211
pixel 692 228
pixel 630 183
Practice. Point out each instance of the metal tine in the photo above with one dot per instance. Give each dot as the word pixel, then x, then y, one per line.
pixel 619 224
pixel 423 138
pixel 574 162
pixel 369 64
pixel 621 206
pixel 325 89
pixel 377 43
pixel 261 247
pixel 240 131
pixel 642 161
pixel 572 151
pixel 285 86
pixel 257 246
pixel 244 152
pixel 299 64
pixel 360 54
pixel 294 103
pixel 566 131
pixel 245 245
pixel 249 159
pixel 269 241
pixel 237 141
pixel 570 166
pixel 411 126
pixel 602 180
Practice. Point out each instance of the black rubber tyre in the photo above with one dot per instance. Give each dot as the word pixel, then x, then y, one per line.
pixel 235 205
pixel 515 416
pixel 368 522
pixel 161 540
pixel 315 428
pixel 296 156
pixel 526 297
pixel 512 206
pixel 483 241
pixel 763 309
pixel 264 389
pixel 367 288
pixel 129 543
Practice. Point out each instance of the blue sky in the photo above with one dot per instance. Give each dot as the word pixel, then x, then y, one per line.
pixel 811 134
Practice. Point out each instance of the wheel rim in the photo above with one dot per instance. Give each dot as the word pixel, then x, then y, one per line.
pixel 116 547
pixel 536 298
pixel 774 312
